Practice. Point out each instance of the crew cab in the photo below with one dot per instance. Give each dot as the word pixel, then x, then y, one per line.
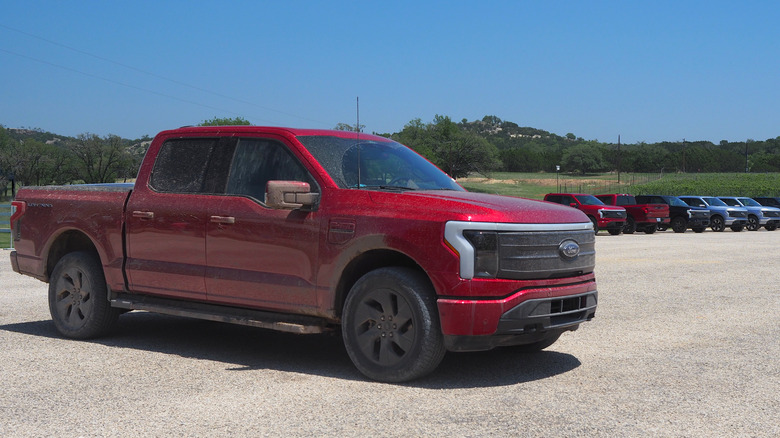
pixel 603 217
pixel 758 215
pixel 721 215
pixel 682 216
pixel 310 231
pixel 639 216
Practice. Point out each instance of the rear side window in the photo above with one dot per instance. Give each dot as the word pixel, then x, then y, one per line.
pixel 181 166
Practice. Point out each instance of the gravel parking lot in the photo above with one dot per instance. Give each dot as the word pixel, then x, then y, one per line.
pixel 685 343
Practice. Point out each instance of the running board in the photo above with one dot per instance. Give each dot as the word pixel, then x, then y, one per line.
pixel 300 324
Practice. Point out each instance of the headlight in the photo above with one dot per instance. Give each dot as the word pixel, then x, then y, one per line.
pixel 485 245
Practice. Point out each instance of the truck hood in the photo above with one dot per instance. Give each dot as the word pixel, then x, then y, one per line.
pixel 479 207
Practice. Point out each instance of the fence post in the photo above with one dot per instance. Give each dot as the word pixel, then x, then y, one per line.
pixel 5 218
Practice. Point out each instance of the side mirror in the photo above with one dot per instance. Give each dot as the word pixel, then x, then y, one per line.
pixel 290 195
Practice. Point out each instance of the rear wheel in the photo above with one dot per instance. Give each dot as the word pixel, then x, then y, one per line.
pixel 78 299
pixel 391 325
pixel 771 227
pixel 753 224
pixel 595 224
pixel 650 229
pixel 737 228
pixel 615 231
pixel 630 226
pixel 679 224
pixel 717 224
pixel 698 229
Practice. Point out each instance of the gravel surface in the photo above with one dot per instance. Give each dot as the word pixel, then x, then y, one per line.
pixel 685 343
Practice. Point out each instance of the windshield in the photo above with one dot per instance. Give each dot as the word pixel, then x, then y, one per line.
pixel 715 201
pixel 589 200
pixel 383 165
pixel 749 202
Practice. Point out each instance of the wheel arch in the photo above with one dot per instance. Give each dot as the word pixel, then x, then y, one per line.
pixel 67 242
pixel 367 262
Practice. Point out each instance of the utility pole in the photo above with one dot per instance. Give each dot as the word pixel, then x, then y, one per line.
pixel 618 160
pixel 747 169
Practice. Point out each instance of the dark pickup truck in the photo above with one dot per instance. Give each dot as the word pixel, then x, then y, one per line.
pixel 682 216
pixel 310 231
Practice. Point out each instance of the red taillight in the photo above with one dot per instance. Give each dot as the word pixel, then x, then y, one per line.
pixel 20 207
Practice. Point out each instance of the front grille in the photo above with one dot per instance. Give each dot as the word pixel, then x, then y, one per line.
pixel 538 255
pixel 772 213
pixel 737 214
pixel 699 215
pixel 614 214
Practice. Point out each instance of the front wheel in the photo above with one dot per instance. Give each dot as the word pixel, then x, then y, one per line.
pixel 771 227
pixel 391 325
pixel 615 231
pixel 650 229
pixel 78 299
pixel 717 224
pixel 698 229
pixel 753 224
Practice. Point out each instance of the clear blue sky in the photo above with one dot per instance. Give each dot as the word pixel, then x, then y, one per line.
pixel 648 71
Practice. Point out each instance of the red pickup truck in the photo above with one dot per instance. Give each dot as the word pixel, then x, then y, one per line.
pixel 310 231
pixel 603 217
pixel 642 217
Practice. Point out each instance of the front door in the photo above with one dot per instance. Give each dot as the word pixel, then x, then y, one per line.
pixel 257 256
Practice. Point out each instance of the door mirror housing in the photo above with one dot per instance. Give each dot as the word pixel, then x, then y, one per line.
pixel 290 195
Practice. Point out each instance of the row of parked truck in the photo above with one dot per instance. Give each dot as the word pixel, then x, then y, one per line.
pixel 623 213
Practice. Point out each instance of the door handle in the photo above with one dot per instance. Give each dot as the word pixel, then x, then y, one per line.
pixel 223 219
pixel 144 214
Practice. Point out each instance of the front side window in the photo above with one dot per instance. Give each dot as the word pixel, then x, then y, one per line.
pixel 257 161
pixel 381 165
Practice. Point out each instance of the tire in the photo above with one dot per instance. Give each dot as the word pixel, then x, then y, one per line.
pixel 390 325
pixel 717 224
pixel 753 224
pixel 771 227
pixel 737 228
pixel 662 227
pixel 630 226
pixel 615 231
pixel 679 224
pixel 698 229
pixel 650 229
pixel 595 224
pixel 539 345
pixel 78 299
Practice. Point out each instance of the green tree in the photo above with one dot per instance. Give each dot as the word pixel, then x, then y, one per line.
pixel 225 121
pixel 348 127
pixel 99 160
pixel 584 158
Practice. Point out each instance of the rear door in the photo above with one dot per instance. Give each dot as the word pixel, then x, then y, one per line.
pixel 257 256
pixel 166 220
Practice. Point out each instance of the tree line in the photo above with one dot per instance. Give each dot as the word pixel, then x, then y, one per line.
pixel 35 157
pixel 492 144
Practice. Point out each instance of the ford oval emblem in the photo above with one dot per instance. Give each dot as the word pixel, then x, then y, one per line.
pixel 569 249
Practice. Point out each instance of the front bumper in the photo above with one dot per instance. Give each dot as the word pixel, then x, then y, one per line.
pixel 525 317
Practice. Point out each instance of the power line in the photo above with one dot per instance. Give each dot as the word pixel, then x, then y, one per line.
pixel 138 70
